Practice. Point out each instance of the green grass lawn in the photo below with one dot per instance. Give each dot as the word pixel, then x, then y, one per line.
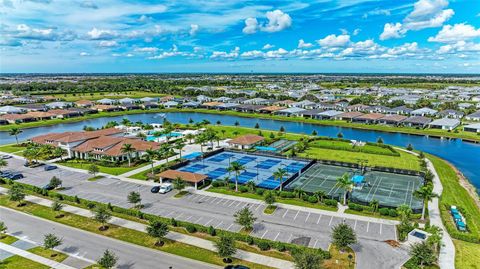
pixel 404 161
pixel 291 201
pixel 17 262
pixel 7 239
pixel 72 97
pixel 49 254
pixel 339 259
pixel 455 194
pixel 466 255
pixel 11 148
pixel 124 234
pixel 269 209
pixel 347 146
pixel 81 164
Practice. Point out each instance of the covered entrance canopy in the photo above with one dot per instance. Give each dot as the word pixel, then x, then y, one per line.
pixel 185 176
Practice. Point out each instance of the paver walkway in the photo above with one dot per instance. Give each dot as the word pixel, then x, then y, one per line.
pixel 33 257
pixel 191 240
pixel 446 257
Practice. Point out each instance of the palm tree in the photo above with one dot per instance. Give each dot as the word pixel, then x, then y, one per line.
pixel 128 149
pixel 165 151
pixel 15 132
pixel 320 195
pixel 200 140
pixel 149 156
pixel 404 211
pixel 280 174
pixel 426 193
pixel 374 204
pixel 179 144
pixel 237 169
pixel 344 182
pixel 189 137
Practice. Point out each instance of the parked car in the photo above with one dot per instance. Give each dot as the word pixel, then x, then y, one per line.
pixel 48 187
pixel 165 187
pixel 49 167
pixel 15 176
pixel 155 189
pixel 6 157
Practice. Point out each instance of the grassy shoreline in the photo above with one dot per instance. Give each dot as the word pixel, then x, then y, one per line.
pixel 382 128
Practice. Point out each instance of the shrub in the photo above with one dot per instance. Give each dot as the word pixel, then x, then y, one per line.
pixel 384 211
pixel 330 202
pixel 312 199
pixel 216 184
pixel 231 186
pixel 281 247
pixel 263 245
pixel 191 228
pixel 90 205
pixel 243 189
pixel 305 197
pixel 174 222
pixel 260 191
pixel 250 240
pixel 392 212
pixel 212 231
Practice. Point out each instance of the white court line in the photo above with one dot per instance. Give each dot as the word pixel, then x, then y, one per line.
pixel 275 239
pixel 307 217
pixel 319 217
pixel 218 225
pixel 228 229
pixel 355 225
pixel 285 214
pixel 330 223
pixel 206 224
pixel 380 228
pixel 368 225
pixel 264 234
pixel 296 215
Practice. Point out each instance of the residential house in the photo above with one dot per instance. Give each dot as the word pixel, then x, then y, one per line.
pixel 475 116
pixel 149 105
pixel 311 113
pixel 106 101
pixel 348 116
pixel 451 113
pixel 329 114
pixel 170 104
pixel 59 105
pixel 149 100
pixel 368 118
pixel 64 113
pixel 357 107
pixel 249 108
pixel 394 119
pixel 305 104
pixel 472 128
pixel 84 103
pixel 126 101
pixel 399 110
pixel 425 111
pixel 417 121
pixel 106 108
pixel 271 109
pixel 12 110
pixel 191 104
pixel 445 124
pixel 291 111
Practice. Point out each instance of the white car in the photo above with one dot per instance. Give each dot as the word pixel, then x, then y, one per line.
pixel 165 187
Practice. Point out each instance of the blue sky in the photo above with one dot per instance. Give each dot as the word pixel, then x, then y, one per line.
pixel 420 36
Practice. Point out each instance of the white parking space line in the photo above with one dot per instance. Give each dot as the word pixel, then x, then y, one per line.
pixel 381 228
pixel 263 235
pixel 218 225
pixel 289 238
pixel 355 225
pixel 179 216
pixel 275 239
pixel 330 223
pixel 228 229
pixel 368 225
pixel 315 245
pixel 213 200
pixel 206 224
pixel 259 205
pixel 307 217
pixel 233 202
pixel 238 203
pixel 187 219
pixel 285 214
pixel 296 215
pixel 169 214
pixel 226 202
pixel 219 201
pixel 319 217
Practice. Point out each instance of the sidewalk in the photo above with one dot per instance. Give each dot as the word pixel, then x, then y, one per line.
pixel 298 208
pixel 33 257
pixel 187 239
pixel 446 257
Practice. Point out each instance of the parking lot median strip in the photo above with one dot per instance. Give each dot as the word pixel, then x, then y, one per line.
pixel 33 257
pixel 181 238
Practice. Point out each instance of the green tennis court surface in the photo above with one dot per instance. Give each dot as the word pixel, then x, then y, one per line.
pixel 389 189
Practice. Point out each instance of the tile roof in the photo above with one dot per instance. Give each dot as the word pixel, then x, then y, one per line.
pixel 247 139
pixel 186 176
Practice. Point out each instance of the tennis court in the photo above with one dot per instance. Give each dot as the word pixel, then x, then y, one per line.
pixel 283 144
pixel 258 169
pixel 321 177
pixel 390 190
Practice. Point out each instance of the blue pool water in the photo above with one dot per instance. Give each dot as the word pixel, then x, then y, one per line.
pixel 172 134
pixel 464 155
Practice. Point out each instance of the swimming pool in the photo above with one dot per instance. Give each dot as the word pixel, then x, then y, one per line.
pixel 172 134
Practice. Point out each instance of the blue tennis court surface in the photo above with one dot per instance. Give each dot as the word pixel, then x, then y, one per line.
pixel 258 169
pixel 192 155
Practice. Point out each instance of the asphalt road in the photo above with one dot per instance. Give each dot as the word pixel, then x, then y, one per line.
pixel 91 246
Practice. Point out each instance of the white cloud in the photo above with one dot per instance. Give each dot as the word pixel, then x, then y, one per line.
pixel 251 26
pixel 391 30
pixel 277 21
pixel 455 33
pixel 334 41
pixel 383 12
pixel 226 55
pixel 356 31
pixel 99 34
pixel 47 34
pixel 303 45
pixel 268 46
pixel 108 43
pixel 193 29
pixel 460 46
pixel 147 49
pixel 84 54
pixel 425 14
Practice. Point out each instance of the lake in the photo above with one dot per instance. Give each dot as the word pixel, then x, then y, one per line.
pixel 464 155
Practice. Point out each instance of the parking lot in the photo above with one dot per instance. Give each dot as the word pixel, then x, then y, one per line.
pixel 285 225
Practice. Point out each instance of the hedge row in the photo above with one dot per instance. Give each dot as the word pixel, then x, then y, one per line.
pixel 262 244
